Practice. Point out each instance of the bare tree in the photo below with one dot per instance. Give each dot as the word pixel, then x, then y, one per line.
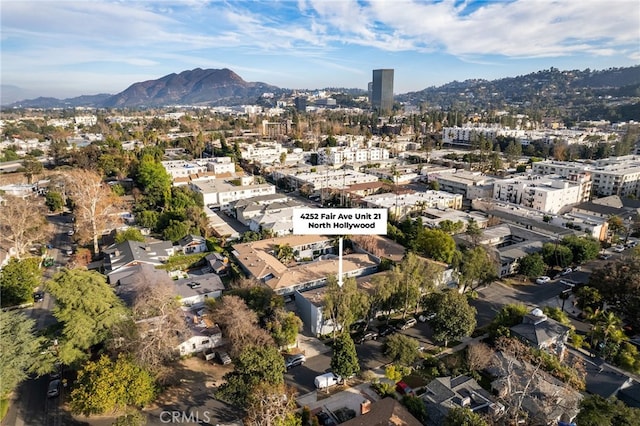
pixel 479 356
pixel 94 203
pixel 270 405
pixel 157 320
pixel 22 223
pixel 239 324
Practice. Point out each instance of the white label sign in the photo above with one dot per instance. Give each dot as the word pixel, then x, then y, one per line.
pixel 340 221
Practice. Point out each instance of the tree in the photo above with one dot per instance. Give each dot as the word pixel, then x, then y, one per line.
pixel 473 231
pixel 461 416
pixel 94 203
pixel 607 329
pixel 454 319
pixel 156 325
pixel 513 152
pixel 22 223
pixel 284 327
pixel 155 182
pixel 104 386
pixel 619 284
pixel 343 305
pixel 598 411
pixel 589 298
pixel 54 201
pixel 583 249
pixel 557 255
pixel 18 280
pixel 88 309
pixel 254 366
pixel 344 361
pixel 451 227
pixel 20 349
pixel 272 405
pixel 437 245
pixel 402 349
pixel 478 356
pixel 477 269
pixel 381 294
pixel 176 230
pixel 532 265
pixel 129 234
pixel 239 324
pixel 30 168
pixel 284 253
pixel 416 407
pixel 413 278
pixel 616 224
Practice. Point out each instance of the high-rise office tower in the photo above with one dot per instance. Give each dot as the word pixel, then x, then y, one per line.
pixel 382 90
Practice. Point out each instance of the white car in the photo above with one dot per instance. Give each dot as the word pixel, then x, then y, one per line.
pixel 71 232
pixel 566 271
pixel 618 249
pixel 543 280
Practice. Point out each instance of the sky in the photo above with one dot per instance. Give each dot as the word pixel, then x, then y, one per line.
pixel 66 48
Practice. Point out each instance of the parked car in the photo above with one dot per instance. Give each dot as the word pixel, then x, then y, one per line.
pixel 618 249
pixel 223 357
pixel 386 330
pixel 605 256
pixel 426 317
pixel 38 296
pixel 295 360
pixel 71 232
pixel 324 419
pixel 367 335
pixel 543 279
pixel 408 323
pixel 566 271
pixel 403 389
pixel 54 388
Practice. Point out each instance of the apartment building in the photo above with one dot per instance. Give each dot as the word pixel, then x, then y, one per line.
pixel 222 193
pixel 401 205
pixel 469 184
pixel 182 168
pixel 342 155
pixel 324 178
pixel 609 176
pixel 549 195
pixel 263 152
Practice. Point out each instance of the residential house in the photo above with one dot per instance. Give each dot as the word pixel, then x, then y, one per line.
pixel 444 393
pixel 120 258
pixel 203 333
pixel 193 244
pixel 385 412
pixel 542 332
pixel 194 290
pixel 218 263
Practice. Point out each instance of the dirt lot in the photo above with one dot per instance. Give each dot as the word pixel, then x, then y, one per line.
pixel 193 376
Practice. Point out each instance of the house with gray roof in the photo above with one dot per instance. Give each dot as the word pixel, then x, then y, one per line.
pixel 120 258
pixel 542 332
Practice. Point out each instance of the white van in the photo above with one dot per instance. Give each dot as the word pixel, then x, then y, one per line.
pixel 327 380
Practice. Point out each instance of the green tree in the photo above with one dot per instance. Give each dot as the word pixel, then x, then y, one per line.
pixel 583 249
pixel 254 365
pixel 87 307
pixel 477 268
pixel 460 416
pixel 20 349
pixel 105 386
pixel 31 168
pixel 473 231
pixel 454 319
pixel 18 280
pixel 53 200
pixel 129 234
pixel 589 297
pixel 413 277
pixel 513 152
pixel 155 182
pixel 532 265
pixel 284 327
pixel 416 407
pixel 437 245
pixel 402 349
pixel 557 255
pixel 451 227
pixel 344 361
pixel 343 305
pixel 176 230
pixel 616 224
pixel 147 219
pixel 284 253
pixel 619 284
pixel 598 411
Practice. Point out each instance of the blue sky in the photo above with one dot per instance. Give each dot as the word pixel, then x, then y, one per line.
pixel 67 48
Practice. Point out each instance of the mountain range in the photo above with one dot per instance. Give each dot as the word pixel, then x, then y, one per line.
pixel 553 88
